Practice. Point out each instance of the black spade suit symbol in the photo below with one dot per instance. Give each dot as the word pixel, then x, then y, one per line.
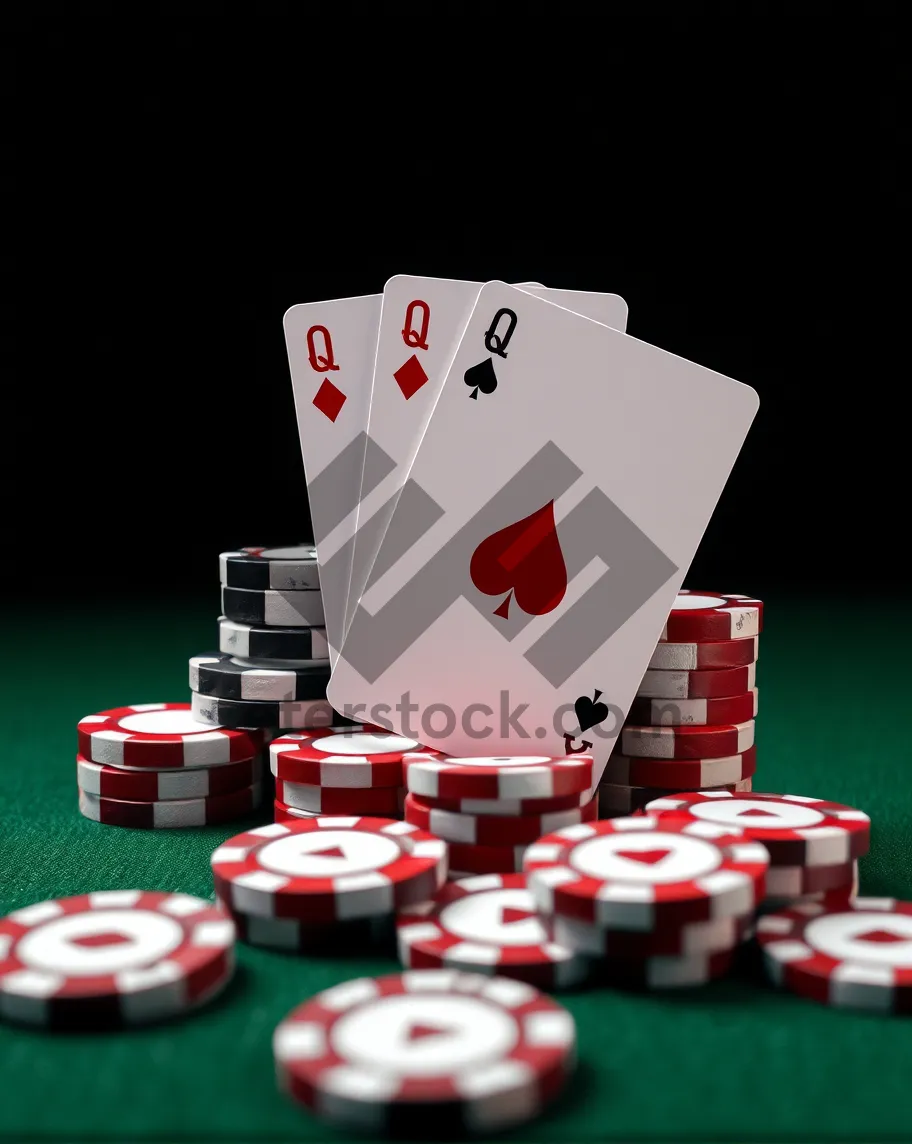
pixel 589 712
pixel 481 376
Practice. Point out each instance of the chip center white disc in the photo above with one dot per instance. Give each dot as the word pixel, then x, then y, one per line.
pixel 665 858
pixel 100 942
pixel 162 723
pixel 480 917
pixel 757 814
pixel 328 853
pixel 842 937
pixel 686 603
pixel 424 1036
pixel 364 743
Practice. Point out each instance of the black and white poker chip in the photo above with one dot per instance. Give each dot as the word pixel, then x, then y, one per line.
pixel 283 569
pixel 256 641
pixel 231 677
pixel 274 609
pixel 293 714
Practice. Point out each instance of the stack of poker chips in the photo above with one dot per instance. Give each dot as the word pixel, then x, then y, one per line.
pixel 649 901
pixel 153 765
pixel 339 770
pixel 691 724
pixel 814 845
pixel 657 900
pixel 489 810
pixel 272 666
pixel 307 883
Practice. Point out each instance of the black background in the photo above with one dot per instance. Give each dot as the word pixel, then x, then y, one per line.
pixel 737 173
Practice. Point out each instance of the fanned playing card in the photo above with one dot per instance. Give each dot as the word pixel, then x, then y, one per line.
pixel 421 322
pixel 569 485
pixel 331 348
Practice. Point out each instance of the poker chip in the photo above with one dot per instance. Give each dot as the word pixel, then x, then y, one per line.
pixel 487 859
pixel 722 683
pixel 663 972
pixel 113 957
pixel 493 830
pixel 687 742
pixel 643 873
pixel 787 882
pixel 857 955
pixel 496 778
pixel 704 656
pixel 705 712
pixel 680 774
pixel 796 830
pixel 163 786
pixel 285 813
pixel 487 924
pixel 245 713
pixel 231 677
pixel 295 936
pixel 623 799
pixel 691 940
pixel 287 644
pixel 324 869
pixel 282 569
pixel 162 736
pixel 274 609
pixel 508 807
pixel 344 757
pixel 403 1053
pixel 384 802
pixel 713 616
pixel 838 894
pixel 179 812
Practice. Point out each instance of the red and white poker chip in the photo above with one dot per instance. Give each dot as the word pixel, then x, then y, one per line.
pixel 857 955
pixel 785 883
pixel 325 869
pixel 697 684
pixel 112 957
pixel 508 807
pixel 663 972
pixel 174 814
pixel 381 1053
pixel 487 924
pixel 493 830
pixel 687 742
pixel 680 774
pixel 486 859
pixel 295 936
pixel 640 874
pixel 623 799
pixel 704 656
pixel 795 829
pixel 344 757
pixel 164 786
pixel 541 776
pixel 704 712
pixel 284 813
pixel 692 940
pixel 385 802
pixel 713 616
pixel 161 736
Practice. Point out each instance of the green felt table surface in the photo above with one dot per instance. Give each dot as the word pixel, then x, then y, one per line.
pixel 737 1060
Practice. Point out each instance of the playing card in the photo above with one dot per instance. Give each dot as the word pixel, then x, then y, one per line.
pixel 331 348
pixel 571 484
pixel 421 322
